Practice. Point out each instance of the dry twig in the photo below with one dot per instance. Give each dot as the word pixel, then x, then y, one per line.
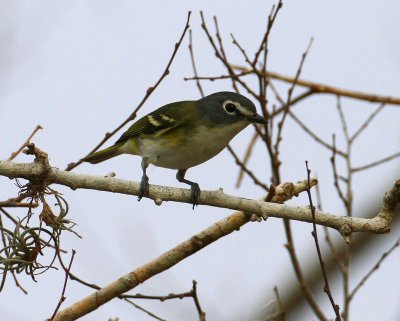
pixel 373 269
pixel 314 233
pixel 62 298
pixel 280 304
pixel 26 143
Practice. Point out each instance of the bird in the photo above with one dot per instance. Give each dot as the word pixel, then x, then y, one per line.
pixel 183 134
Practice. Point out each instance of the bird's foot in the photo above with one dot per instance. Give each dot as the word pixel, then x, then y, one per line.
pixel 195 194
pixel 144 187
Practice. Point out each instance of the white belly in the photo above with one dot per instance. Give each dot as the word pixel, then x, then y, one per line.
pixel 194 150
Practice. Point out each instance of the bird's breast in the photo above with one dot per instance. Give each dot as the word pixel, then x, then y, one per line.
pixel 178 149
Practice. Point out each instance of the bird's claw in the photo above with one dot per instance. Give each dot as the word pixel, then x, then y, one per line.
pixel 144 187
pixel 195 194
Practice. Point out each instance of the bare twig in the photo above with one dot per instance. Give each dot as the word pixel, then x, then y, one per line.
pixel 246 158
pixel 335 173
pixel 315 136
pixel 223 54
pixel 367 122
pixel 343 120
pixel 335 255
pixel 246 170
pixel 62 298
pixel 299 274
pixel 198 84
pixel 271 20
pixel 321 261
pixel 149 91
pixel 221 77
pixel 275 155
pixel 376 163
pixel 202 314
pixel 161 298
pixel 223 60
pixel 137 306
pixel 373 269
pixel 26 143
pixel 280 305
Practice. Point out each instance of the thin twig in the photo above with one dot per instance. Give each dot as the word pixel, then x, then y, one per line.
pixel 243 51
pixel 334 252
pixel 62 298
pixel 335 173
pixel 149 91
pixel 26 143
pixel 281 123
pixel 294 101
pixel 376 163
pixel 280 304
pixel 271 20
pixel 202 314
pixel 246 158
pixel 198 84
pixel 367 122
pixel 144 310
pixel 246 170
pixel 343 119
pixel 161 298
pixel 289 97
pixel 299 273
pixel 220 56
pixel 223 54
pixel 314 233
pixel 315 136
pixel 221 77
pixel 373 269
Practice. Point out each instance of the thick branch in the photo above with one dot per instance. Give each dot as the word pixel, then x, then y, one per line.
pixel 345 225
pixel 168 259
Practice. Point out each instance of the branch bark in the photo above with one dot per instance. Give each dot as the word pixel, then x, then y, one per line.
pixel 345 225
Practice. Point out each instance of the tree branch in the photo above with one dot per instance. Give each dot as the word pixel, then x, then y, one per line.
pixel 345 225
pixel 166 260
pixel 326 89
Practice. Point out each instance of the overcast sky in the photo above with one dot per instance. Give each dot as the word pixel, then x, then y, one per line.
pixel 78 68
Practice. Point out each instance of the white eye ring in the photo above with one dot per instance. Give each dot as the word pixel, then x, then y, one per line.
pixel 230 107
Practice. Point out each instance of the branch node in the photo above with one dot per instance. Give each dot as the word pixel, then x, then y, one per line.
pixel 345 230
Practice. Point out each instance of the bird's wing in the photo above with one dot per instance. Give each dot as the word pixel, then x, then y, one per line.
pixel 157 122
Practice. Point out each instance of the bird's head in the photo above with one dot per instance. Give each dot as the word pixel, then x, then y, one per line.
pixel 227 108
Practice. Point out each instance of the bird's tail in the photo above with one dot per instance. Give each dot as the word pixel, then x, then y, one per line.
pixel 103 154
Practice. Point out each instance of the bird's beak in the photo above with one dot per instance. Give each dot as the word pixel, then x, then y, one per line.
pixel 256 118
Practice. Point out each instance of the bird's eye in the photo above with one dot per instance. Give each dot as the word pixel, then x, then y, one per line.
pixel 230 108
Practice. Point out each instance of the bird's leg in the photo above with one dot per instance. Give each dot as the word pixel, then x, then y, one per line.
pixel 194 187
pixel 144 183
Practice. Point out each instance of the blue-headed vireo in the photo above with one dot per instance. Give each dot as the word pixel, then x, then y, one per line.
pixel 183 134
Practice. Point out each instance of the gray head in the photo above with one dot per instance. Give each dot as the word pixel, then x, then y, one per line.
pixel 226 107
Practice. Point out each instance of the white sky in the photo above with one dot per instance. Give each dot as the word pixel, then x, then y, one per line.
pixel 78 68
